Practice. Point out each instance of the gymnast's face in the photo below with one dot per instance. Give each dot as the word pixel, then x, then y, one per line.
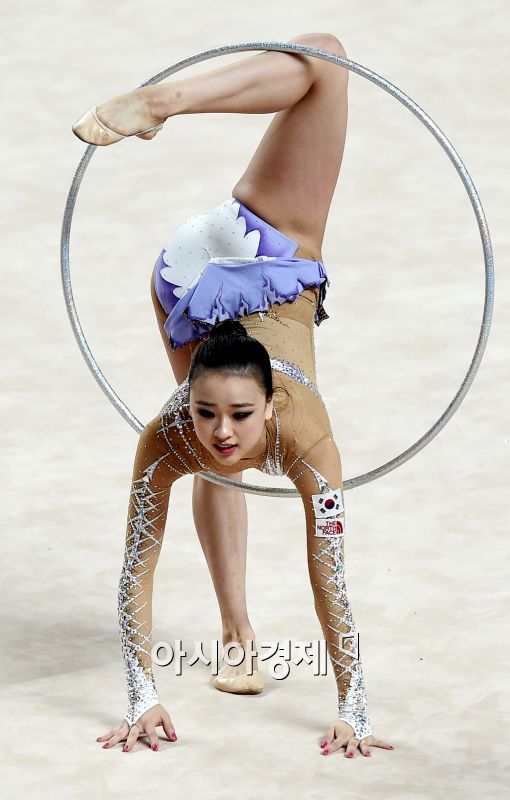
pixel 229 414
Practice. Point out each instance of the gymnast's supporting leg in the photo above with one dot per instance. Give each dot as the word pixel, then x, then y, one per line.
pixel 221 522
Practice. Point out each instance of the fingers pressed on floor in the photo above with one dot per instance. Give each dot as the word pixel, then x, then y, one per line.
pixel 153 737
pixel 330 736
pixel 335 745
pixel 169 729
pixel 104 736
pixel 352 746
pixel 112 742
pixel 131 740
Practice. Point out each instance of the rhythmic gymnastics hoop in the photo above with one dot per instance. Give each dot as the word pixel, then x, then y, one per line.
pixel 457 162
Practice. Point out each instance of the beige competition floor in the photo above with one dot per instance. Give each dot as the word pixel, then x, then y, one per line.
pixel 427 546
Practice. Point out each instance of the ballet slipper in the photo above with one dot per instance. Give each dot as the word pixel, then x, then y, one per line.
pixel 236 681
pixel 89 128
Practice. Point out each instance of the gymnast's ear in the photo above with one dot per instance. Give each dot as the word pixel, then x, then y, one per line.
pixel 269 408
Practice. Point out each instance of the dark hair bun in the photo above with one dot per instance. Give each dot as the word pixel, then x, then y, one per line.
pixel 229 348
pixel 229 327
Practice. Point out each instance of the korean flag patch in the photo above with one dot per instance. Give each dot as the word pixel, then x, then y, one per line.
pixel 329 504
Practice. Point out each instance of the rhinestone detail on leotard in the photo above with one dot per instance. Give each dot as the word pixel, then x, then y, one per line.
pixel 273 464
pixel 291 369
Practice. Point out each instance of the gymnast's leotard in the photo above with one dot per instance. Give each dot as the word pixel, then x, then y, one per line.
pixel 231 263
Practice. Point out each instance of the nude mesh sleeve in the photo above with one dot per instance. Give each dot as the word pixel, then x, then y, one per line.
pixel 316 476
pixel 164 453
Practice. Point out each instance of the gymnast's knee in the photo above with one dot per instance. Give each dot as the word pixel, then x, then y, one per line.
pixel 326 71
pixel 321 41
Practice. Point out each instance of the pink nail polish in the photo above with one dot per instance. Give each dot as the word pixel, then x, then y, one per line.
pixel 107 744
pixel 125 748
pixel 98 739
pixel 323 744
pixel 325 752
pixel 154 746
pixel 349 755
pixel 173 737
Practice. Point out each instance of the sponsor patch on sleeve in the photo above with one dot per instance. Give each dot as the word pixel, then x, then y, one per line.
pixel 330 527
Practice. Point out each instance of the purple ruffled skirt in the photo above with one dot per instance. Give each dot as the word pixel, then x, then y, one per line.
pixel 225 264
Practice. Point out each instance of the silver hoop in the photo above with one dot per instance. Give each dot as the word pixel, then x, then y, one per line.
pixel 468 185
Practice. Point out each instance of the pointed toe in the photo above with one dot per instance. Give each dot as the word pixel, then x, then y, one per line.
pixel 90 129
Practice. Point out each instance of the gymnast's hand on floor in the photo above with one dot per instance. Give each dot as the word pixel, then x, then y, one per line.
pixel 144 726
pixel 341 734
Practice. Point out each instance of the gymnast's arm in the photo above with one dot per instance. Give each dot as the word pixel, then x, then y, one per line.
pixel 161 457
pixel 318 478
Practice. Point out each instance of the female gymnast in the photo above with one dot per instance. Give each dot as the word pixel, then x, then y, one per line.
pixel 237 291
